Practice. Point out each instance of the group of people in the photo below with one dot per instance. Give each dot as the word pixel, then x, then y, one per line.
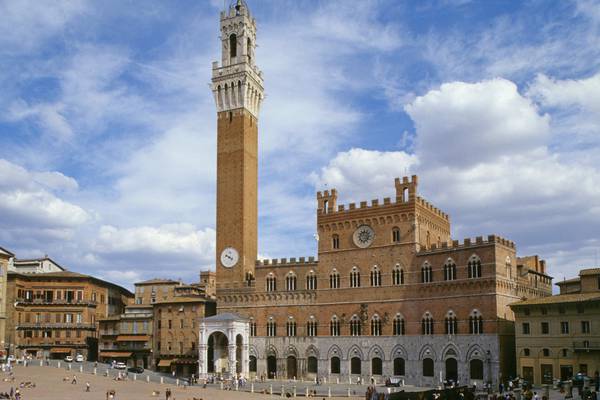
pixel 12 395
pixel 372 394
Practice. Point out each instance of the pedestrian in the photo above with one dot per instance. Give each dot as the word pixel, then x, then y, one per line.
pixel 74 381
pixel 168 394
pixel 87 386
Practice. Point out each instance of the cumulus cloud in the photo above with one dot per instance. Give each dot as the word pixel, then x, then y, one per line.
pixel 28 199
pixel 360 174
pixel 463 124
pixel 511 182
pixel 172 241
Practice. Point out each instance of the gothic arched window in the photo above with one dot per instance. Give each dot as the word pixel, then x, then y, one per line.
pixel 355 326
pixel 474 267
pixel 451 323
pixel 232 45
pixel 334 326
pixel 375 325
pixel 355 277
pixel 398 325
pixel 396 234
pixel 475 323
pixel 311 281
pixel 311 326
pixel 397 276
pixel 427 324
pixel 290 281
pixel 334 279
pixel 449 270
pixel 375 276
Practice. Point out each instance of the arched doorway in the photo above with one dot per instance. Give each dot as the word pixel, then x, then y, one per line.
pixel 218 359
pixel 312 365
pixel 292 367
pixel 399 366
pixel 451 369
pixel 238 353
pixel 355 365
pixel 476 369
pixel 252 366
pixel 376 366
pixel 272 367
pixel 335 365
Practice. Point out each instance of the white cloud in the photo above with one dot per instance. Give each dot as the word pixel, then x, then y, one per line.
pixel 27 199
pixel 27 24
pixel 175 240
pixel 463 124
pixel 514 185
pixel 360 174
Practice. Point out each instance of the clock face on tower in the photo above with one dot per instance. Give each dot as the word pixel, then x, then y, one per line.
pixel 363 236
pixel 229 257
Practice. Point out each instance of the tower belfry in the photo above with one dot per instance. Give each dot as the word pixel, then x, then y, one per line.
pixel 237 86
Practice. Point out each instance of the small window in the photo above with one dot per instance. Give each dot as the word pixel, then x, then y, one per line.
pixel 545 328
pixel 335 241
pixel 233 45
pixel 546 352
pixel 585 326
pixel 526 352
pixel 564 327
pixel 396 235
pixel 526 330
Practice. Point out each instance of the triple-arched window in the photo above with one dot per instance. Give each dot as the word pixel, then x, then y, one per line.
pixel 311 281
pixel 474 267
pixel 375 325
pixel 355 326
pixel 311 326
pixel 449 270
pixel 271 282
pixel 290 281
pixel 334 279
pixel 334 326
pixel 335 241
pixel 290 326
pixel 427 324
pixel 398 325
pixel 475 323
pixel 271 327
pixel 375 276
pixel 426 274
pixel 397 276
pixel 451 323
pixel 355 277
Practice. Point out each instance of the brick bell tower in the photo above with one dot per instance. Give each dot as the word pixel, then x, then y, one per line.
pixel 237 86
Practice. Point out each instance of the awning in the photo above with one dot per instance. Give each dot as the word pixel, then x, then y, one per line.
pixel 60 350
pixel 165 363
pixel 185 361
pixel 115 354
pixel 133 338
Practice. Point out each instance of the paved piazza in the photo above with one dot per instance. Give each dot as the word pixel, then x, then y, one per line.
pixel 50 385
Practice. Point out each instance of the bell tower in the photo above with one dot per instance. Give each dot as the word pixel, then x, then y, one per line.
pixel 237 87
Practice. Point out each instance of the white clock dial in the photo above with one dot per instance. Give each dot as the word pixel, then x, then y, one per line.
pixel 363 236
pixel 229 257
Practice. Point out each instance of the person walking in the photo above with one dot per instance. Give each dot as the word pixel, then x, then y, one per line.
pixel 168 394
pixel 87 386
pixel 74 381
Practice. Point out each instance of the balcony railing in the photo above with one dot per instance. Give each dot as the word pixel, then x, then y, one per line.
pixel 49 325
pixel 586 345
pixel 44 302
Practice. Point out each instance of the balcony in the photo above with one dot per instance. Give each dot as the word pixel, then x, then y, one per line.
pixel 44 302
pixel 586 346
pixel 49 325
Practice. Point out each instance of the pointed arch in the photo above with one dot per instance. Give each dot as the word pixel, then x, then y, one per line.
pixel 355 351
pixel 398 351
pixel 451 350
pixel 376 351
pixel 334 351
pixel 427 352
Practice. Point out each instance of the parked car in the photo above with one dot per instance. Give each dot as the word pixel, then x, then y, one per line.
pixel 79 358
pixel 120 365
pixel 69 359
pixel 136 370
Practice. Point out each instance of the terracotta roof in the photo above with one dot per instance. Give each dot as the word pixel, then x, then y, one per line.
pixel 589 271
pixel 156 281
pixel 558 299
pixel 65 274
pixel 184 299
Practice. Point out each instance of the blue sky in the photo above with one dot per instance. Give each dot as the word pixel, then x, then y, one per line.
pixel 107 125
